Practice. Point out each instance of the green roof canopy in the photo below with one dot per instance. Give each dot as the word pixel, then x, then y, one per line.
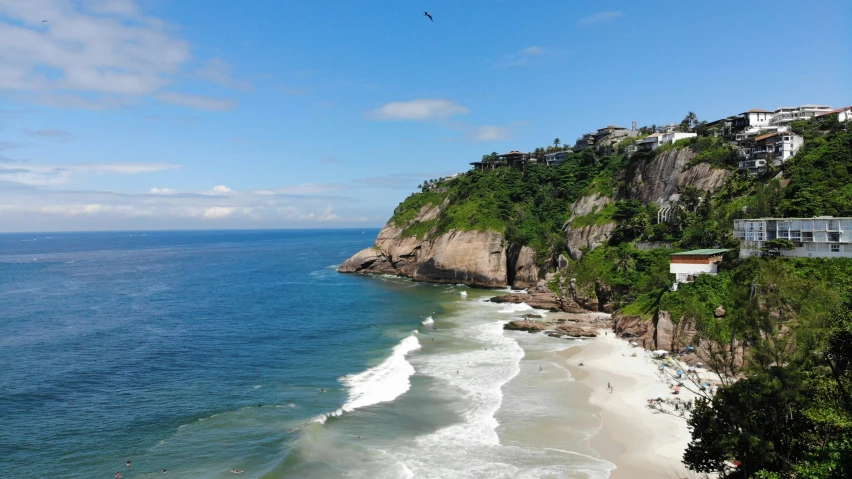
pixel 702 252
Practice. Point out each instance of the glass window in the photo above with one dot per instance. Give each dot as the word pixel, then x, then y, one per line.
pixel 835 248
pixel 811 247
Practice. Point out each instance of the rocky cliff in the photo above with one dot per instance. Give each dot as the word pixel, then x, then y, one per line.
pixel 662 179
pixel 485 258
pixel 476 258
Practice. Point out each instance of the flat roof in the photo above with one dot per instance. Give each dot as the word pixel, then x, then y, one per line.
pixel 707 251
pixel 798 218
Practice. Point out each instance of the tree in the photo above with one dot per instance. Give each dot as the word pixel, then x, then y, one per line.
pixel 689 122
pixel 774 247
pixel 556 142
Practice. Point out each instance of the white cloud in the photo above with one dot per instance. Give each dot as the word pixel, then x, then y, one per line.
pixel 423 109
pixel 72 210
pixel 491 133
pixel 601 17
pixel 221 189
pixel 161 191
pixel 91 54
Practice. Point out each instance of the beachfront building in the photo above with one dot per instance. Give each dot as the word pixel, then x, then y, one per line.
pixel 656 140
pixel 688 265
pixel 787 114
pixel 819 237
pixel 556 158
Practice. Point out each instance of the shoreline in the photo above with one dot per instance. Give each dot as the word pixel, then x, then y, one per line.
pixel 641 442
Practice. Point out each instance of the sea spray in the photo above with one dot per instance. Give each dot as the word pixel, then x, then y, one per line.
pixel 385 382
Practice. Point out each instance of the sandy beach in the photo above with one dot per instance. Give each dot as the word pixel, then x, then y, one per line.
pixel 641 442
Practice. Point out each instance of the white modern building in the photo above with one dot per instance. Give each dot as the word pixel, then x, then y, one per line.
pixel 772 148
pixel 656 140
pixel 688 265
pixel 819 237
pixel 786 114
pixel 756 117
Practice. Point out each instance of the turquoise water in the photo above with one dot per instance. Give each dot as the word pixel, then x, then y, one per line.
pixel 201 352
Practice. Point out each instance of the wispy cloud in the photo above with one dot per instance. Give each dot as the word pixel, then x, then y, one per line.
pixel 55 135
pixel 44 175
pixel 601 17
pixel 422 109
pixel 195 101
pixel 161 191
pixel 491 133
pixel 91 54
pixel 523 56
pixel 217 70
pixel 331 159
pixel 9 145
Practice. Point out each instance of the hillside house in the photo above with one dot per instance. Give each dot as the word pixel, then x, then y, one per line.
pixel 787 114
pixel 585 141
pixel 688 265
pixel 819 237
pixel 556 158
pixel 656 140
pixel 756 117
pixel 843 114
pixel 776 147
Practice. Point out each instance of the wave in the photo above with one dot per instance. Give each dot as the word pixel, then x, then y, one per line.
pixel 385 382
pixel 428 321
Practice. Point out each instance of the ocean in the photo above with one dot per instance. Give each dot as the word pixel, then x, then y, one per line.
pixel 201 352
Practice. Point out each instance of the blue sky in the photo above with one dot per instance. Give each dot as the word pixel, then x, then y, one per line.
pixel 187 114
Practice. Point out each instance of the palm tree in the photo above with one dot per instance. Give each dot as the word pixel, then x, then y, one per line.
pixel 556 142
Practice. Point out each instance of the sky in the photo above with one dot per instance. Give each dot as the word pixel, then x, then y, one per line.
pixel 215 114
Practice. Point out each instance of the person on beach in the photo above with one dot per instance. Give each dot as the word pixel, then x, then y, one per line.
pixel 608 386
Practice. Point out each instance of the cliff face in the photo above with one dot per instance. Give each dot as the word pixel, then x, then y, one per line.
pixel 477 258
pixel 661 180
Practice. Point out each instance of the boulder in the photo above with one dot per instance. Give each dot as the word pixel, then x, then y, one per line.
pixel 523 325
pixel 664 331
pixel 719 312
pixel 575 331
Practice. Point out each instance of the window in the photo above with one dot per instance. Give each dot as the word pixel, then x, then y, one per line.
pixel 834 237
pixel 811 247
pixel 835 248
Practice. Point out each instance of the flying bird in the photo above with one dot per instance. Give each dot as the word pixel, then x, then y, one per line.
pixel 427 14
pixel 44 21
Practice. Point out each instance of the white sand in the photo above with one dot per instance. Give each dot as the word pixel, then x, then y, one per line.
pixel 641 442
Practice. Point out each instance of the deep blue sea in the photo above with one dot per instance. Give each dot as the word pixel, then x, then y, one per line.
pixel 203 352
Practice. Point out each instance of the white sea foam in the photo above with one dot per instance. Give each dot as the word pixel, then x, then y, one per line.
pixel 463 294
pixel 471 448
pixel 385 382
pixel 516 308
pixel 428 321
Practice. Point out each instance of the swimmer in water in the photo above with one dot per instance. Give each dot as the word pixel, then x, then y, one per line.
pixel 165 471
pixel 118 475
pixel 128 463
